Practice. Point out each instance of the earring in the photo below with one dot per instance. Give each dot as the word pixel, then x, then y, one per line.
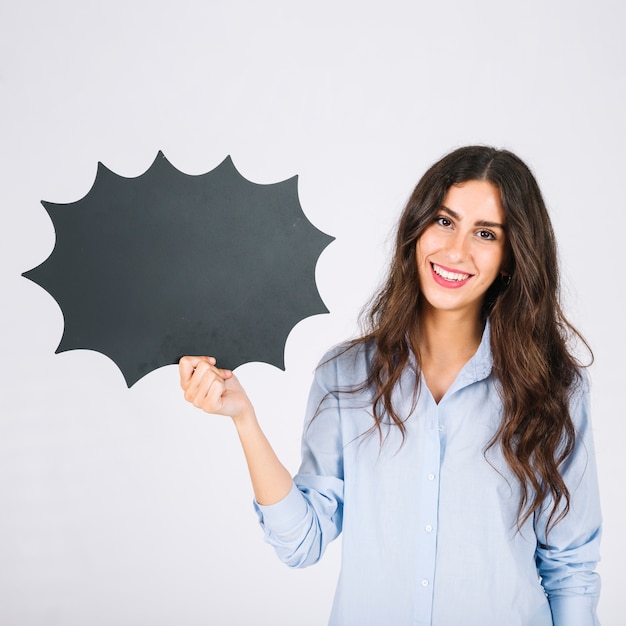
pixel 506 279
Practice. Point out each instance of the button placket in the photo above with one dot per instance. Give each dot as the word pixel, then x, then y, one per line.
pixel 427 543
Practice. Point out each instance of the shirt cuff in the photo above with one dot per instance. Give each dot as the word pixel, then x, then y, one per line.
pixel 574 610
pixel 284 514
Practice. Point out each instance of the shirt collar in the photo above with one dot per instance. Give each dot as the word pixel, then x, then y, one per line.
pixel 479 366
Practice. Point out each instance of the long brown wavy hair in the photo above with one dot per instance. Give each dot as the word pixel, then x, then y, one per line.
pixel 530 335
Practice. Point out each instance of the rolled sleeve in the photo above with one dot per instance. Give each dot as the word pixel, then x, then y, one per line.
pixel 304 522
pixel 568 555
pixel 301 525
pixel 574 611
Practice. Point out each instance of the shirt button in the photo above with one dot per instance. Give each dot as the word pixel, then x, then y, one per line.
pixel 431 476
pixel 424 582
pixel 428 528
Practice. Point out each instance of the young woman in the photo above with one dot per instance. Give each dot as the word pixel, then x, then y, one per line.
pixel 451 443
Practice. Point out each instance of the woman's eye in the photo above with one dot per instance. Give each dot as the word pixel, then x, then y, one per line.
pixel 487 235
pixel 443 221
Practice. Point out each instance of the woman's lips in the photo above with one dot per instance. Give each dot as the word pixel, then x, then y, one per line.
pixel 449 278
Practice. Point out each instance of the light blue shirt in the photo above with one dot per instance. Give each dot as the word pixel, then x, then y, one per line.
pixel 429 527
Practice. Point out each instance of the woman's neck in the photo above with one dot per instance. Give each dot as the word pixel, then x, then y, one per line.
pixel 447 336
pixel 447 342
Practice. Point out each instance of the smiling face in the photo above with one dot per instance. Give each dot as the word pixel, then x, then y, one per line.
pixel 462 251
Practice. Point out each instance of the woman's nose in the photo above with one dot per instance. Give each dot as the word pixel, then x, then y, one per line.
pixel 457 248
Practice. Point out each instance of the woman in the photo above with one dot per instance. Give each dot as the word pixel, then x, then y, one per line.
pixel 451 443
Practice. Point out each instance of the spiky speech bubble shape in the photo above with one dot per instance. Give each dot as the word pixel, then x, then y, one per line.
pixel 151 268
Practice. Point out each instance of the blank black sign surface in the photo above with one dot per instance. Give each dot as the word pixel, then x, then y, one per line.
pixel 151 268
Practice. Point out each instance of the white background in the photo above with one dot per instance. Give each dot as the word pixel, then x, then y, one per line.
pixel 129 507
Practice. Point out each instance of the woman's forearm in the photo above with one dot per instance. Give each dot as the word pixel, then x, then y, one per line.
pixel 217 391
pixel 271 481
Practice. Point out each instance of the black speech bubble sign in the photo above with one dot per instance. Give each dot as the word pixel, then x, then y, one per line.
pixel 151 268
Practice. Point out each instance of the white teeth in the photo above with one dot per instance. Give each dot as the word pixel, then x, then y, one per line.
pixel 449 275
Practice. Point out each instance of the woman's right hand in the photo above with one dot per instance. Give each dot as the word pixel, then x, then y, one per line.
pixel 213 389
pixel 216 390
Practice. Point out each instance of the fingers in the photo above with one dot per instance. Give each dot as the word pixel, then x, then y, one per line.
pixel 203 382
pixel 188 365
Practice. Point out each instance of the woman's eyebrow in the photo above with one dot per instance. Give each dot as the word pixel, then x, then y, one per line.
pixel 485 223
